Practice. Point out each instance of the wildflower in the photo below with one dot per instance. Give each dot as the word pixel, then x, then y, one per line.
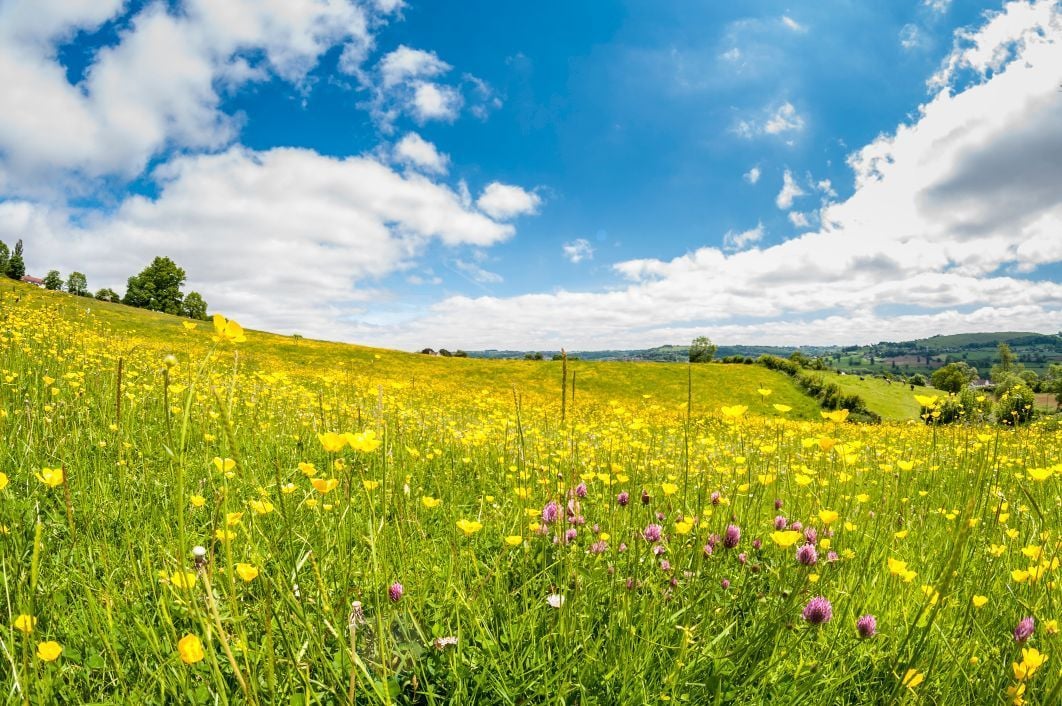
pixel 323 485
pixel 867 626
pixel 247 572
pixel 782 408
pixel 818 611
pixel 49 651
pixel 365 442
pixel 183 579
pixel 469 527
pixel 669 488
pixel 570 534
pixel 25 623
pixel 599 547
pixel 332 442
pixel 580 490
pixel 3 481
pixel 623 498
pixel 307 469
pixel 261 507
pixel 395 591
pixel 441 643
pixel 828 517
pixel 731 536
pixel 683 527
pixel 780 522
pixel 224 465
pixel 550 512
pixel 806 555
pixel 979 601
pixel 514 540
pixel 1031 660
pixel 555 600
pixel 51 477
pixel 645 497
pixel 227 330
pixel 190 648
pixel 785 538
pixel 197 500
pixel 1024 630
pixel 430 502
pixel 913 678
pixel 652 533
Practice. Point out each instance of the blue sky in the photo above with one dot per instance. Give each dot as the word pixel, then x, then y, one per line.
pixel 482 174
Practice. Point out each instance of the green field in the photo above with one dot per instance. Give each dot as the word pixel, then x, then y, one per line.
pixel 187 517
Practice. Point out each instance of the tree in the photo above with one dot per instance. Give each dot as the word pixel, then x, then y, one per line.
pixel 195 307
pixel 157 287
pixel 77 283
pixel 108 295
pixel 1053 382
pixel 16 267
pixel 5 257
pixel 1008 364
pixel 702 350
pixel 53 281
pixel 953 377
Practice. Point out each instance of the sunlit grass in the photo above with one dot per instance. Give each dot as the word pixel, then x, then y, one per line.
pixel 378 527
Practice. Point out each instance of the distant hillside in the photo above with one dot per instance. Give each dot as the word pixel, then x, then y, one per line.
pixel 1033 350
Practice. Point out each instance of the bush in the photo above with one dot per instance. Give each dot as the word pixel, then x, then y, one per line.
pixel 1016 404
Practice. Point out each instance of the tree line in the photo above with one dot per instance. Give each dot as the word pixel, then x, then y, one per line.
pixel 157 287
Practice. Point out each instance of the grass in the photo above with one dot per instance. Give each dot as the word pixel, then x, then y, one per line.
pixel 893 401
pixel 404 530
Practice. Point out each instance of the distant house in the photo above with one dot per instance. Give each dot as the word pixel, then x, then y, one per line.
pixel 36 281
pixel 981 384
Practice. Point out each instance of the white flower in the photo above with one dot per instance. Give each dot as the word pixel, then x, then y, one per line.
pixel 555 599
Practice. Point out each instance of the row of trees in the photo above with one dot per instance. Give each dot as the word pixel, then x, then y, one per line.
pixel 157 287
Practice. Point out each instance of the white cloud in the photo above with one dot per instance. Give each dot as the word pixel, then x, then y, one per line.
pixel 910 36
pixel 798 219
pixel 784 120
pixel 940 6
pixel 946 210
pixel 504 202
pixel 792 24
pixel 432 101
pixel 776 121
pixel 578 250
pixel 740 241
pixel 790 190
pixel 285 239
pixel 418 152
pixel 404 63
pixel 156 87
pixel 752 176
pixel 476 273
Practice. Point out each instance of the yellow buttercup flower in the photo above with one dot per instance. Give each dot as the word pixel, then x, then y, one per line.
pixel 227 330
pixel 247 572
pixel 332 442
pixel 224 465
pixel 25 623
pixel 51 477
pixel 324 485
pixel 469 527
pixel 669 488
pixel 261 507
pixel 183 579
pixel 979 601
pixel 197 500
pixel 365 442
pixel 190 649
pixel 786 538
pixel 828 517
pixel 913 678
pixel 49 651
pixel 3 481
pixel 430 502
pixel 308 469
pixel 782 408
pixel 514 540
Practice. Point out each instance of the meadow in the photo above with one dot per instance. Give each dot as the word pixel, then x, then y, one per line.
pixel 191 513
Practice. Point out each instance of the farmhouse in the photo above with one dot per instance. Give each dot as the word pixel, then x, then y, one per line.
pixel 37 281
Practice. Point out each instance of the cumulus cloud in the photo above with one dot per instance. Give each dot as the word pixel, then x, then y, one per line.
pixel 793 25
pixel 156 87
pixel 790 191
pixel 415 151
pixel 777 121
pixel 947 213
pixel 285 239
pixel 504 201
pixel 752 176
pixel 740 241
pixel 578 250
